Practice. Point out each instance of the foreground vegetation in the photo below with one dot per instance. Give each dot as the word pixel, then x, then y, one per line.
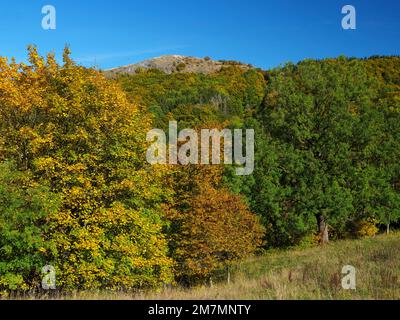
pixel 310 273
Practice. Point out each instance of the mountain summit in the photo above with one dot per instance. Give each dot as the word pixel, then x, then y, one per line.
pixel 177 63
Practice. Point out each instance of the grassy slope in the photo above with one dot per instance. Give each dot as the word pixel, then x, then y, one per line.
pixel 313 273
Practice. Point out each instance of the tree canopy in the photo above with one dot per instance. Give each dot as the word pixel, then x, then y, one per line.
pixel 77 193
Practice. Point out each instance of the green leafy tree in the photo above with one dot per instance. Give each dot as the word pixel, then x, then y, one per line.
pixel 322 119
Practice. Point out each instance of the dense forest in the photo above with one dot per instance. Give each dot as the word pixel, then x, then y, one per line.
pixel 77 193
pixel 327 139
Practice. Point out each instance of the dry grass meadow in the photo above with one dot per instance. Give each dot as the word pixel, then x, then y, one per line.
pixel 311 273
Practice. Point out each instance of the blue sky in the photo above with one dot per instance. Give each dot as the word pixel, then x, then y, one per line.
pixel 265 33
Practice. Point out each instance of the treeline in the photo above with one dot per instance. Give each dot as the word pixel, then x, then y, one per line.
pixel 77 193
pixel 327 140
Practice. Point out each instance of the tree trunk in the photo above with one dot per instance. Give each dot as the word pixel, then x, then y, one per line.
pixel 323 229
pixel 388 223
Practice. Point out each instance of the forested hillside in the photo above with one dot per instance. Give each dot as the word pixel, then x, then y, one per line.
pixel 77 193
pixel 196 98
pixel 327 139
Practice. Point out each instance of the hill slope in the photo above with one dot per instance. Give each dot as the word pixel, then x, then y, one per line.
pixel 177 63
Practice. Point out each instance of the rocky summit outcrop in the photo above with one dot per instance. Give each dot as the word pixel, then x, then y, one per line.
pixel 176 63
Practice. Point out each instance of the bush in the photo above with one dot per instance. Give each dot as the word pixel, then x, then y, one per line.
pixel 25 209
pixel 366 228
pixel 180 67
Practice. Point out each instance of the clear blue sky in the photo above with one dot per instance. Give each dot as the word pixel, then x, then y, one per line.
pixel 264 33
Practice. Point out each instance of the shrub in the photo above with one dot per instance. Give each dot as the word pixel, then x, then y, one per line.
pixel 366 228
pixel 25 209
pixel 180 67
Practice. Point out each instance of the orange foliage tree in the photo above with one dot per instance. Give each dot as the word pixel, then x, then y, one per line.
pixel 210 227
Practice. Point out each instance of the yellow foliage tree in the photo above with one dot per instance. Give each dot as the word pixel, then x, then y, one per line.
pixel 75 131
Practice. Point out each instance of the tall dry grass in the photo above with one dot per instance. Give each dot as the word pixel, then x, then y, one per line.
pixel 311 273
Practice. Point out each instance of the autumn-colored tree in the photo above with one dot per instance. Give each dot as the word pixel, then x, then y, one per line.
pixel 74 130
pixel 209 226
